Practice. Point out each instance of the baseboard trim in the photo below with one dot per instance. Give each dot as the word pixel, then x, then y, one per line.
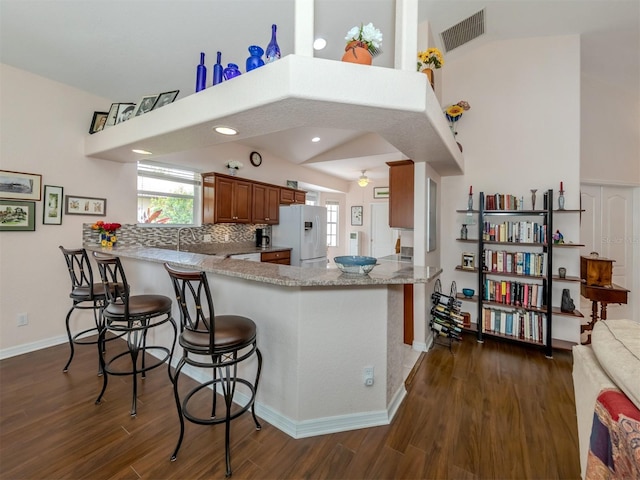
pixel 33 346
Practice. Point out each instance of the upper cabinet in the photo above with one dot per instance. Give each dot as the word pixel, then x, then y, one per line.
pixel 266 204
pixel 227 199
pixel 401 194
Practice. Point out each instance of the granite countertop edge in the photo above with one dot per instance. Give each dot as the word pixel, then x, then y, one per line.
pixel 386 273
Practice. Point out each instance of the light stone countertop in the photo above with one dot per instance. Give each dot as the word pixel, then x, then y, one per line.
pixel 385 273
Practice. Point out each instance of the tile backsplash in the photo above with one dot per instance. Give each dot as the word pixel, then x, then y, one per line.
pixel 162 235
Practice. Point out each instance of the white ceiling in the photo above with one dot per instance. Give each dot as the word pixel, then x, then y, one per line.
pixel 125 49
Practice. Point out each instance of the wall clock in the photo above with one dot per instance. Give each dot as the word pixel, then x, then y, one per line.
pixel 255 158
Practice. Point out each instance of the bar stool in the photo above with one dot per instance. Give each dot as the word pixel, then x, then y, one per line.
pixel 220 342
pixel 85 295
pixel 131 316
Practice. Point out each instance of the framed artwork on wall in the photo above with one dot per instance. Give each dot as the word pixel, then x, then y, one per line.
pixel 75 205
pixel 52 205
pixel 16 216
pixel 380 192
pixel 468 261
pixel 20 186
pixel 356 215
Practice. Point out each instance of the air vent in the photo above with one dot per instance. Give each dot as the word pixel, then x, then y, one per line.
pixel 463 32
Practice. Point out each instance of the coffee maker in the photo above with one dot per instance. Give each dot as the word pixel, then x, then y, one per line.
pixel 262 240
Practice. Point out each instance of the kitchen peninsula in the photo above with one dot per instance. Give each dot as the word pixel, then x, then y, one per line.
pixel 317 330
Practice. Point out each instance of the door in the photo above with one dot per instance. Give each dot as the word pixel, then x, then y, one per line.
pixel 606 228
pixel 382 238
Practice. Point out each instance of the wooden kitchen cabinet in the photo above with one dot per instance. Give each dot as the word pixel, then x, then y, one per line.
pixel 266 204
pixel 289 196
pixel 226 199
pixel 281 257
pixel 401 194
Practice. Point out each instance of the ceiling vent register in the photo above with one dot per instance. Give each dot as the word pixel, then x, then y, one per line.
pixel 464 31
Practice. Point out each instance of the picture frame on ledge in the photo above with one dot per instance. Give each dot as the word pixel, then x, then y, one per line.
pixel 146 104
pixel 468 261
pixel 52 205
pixel 98 122
pixel 165 99
pixel 20 185
pixel 17 216
pixel 77 205
pixel 356 215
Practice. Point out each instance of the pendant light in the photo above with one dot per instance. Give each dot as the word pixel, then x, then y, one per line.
pixel 363 181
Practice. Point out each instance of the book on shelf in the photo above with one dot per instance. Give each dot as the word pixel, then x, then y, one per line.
pixel 517 324
pixel 521 263
pixel 514 232
pixel 516 294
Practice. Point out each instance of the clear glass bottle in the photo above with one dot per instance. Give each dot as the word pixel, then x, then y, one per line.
pixel 561 201
pixel 463 232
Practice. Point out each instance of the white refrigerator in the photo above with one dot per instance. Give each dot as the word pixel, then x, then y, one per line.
pixel 304 229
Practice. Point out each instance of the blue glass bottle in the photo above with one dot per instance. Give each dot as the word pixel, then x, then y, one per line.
pixel 255 60
pixel 218 70
pixel 201 74
pixel 231 71
pixel 273 50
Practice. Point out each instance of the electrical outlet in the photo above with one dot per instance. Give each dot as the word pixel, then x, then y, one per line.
pixel 367 374
pixel 23 319
pixel 226 237
pixel 207 237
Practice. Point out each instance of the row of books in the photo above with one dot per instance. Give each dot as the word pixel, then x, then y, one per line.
pixel 446 319
pixel 521 325
pixel 507 201
pixel 515 232
pixel 520 263
pixel 517 294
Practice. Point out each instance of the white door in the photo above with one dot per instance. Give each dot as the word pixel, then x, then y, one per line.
pixel 606 228
pixel 383 238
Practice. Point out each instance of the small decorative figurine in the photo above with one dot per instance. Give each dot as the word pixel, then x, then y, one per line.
pixel 558 237
pixel 567 304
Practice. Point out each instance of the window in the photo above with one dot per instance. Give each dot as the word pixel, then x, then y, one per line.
pixel 167 194
pixel 332 223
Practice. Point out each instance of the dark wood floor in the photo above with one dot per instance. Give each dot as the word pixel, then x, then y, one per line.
pixel 488 411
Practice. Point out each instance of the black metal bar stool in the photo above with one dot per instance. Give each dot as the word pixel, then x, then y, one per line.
pixel 131 316
pixel 85 295
pixel 220 343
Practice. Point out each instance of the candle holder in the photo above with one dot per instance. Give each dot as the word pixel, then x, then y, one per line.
pixel 470 202
pixel 561 200
pixel 533 198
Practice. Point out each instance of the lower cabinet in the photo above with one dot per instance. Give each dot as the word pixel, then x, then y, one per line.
pixel 282 257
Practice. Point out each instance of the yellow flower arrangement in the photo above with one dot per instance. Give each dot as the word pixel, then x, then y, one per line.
pixel 430 58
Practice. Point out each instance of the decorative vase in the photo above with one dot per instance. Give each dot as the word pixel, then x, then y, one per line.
pixel 356 52
pixel 233 171
pixel 218 70
pixel 470 203
pixel 463 232
pixel 561 201
pixel 533 198
pixel 272 53
pixel 231 71
pixel 108 239
pixel 429 73
pixel 255 60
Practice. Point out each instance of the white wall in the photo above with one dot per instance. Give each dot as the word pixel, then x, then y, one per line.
pixel 44 124
pixel 522 132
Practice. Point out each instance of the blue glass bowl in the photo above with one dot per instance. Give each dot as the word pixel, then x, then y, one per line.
pixel 355 264
pixel 468 292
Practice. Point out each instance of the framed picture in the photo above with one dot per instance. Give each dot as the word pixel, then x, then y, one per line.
pixel 112 115
pixel 380 192
pixel 98 121
pixel 356 215
pixel 468 261
pixel 146 104
pixel 16 216
pixel 292 184
pixel 52 206
pixel 20 186
pixel 125 112
pixel 165 99
pixel 85 206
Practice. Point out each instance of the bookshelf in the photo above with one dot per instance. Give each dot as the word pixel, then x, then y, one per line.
pixel 514 268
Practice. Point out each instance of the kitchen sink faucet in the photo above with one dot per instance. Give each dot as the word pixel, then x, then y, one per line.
pixel 193 235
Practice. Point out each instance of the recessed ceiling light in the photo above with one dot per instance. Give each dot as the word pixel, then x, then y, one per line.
pixel 226 130
pixel 319 43
pixel 315 139
pixel 142 152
